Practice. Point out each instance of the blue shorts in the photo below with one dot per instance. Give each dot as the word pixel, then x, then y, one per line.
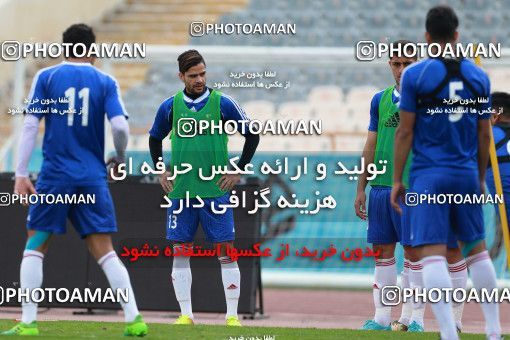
pixel 441 223
pixel 86 218
pixel 181 227
pixel 385 225
pixel 405 237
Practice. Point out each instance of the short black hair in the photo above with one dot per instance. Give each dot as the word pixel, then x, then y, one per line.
pixel 189 59
pixel 79 34
pixel 406 47
pixel 501 100
pixel 441 23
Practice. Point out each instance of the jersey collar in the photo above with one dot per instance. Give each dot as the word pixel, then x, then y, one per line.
pixel 198 100
pixel 76 64
pixel 396 94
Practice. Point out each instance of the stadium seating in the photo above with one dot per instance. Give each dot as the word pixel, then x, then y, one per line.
pixel 499 79
pixel 325 94
pixel 260 109
pixel 340 97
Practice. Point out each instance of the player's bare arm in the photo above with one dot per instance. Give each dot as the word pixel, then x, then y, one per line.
pixel 228 182
pixel 120 134
pixel 368 155
pixel 403 142
pixel 484 136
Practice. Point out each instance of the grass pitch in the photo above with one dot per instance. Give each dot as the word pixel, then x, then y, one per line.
pixel 113 330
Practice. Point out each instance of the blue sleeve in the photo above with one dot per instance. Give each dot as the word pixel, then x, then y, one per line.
pixel 113 105
pixel 161 127
pixel 374 112
pixel 36 95
pixel 408 92
pixel 486 94
pixel 230 110
pixel 498 134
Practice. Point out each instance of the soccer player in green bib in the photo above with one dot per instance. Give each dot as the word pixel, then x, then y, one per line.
pixel 385 226
pixel 180 116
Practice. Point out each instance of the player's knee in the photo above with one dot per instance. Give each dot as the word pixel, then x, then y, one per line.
pixel 454 255
pixel 99 245
pixel 472 248
pixel 386 251
pixel 39 241
pixel 224 248
pixel 411 254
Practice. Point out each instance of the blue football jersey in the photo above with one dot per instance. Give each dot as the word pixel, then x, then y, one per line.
pixel 501 135
pixel 73 99
pixel 444 142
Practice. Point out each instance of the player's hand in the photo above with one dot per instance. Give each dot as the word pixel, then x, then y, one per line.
pixel 360 205
pixel 397 194
pixel 167 184
pixel 227 182
pixel 24 186
pixel 112 166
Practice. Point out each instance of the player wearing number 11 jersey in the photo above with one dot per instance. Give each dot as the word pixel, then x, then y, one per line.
pixel 73 164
